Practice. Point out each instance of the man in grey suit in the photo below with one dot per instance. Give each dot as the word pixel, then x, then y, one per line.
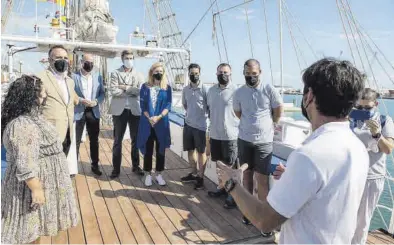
pixel 125 109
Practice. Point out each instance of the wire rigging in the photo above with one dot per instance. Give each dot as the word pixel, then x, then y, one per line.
pixel 249 32
pixel 268 39
pixel 222 32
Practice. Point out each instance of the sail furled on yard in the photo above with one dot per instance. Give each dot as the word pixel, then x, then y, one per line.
pixel 96 23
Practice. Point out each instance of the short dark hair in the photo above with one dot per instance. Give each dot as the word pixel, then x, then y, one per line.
pixel 194 65
pixel 126 52
pixel 222 65
pixel 336 85
pixel 56 47
pixel 251 62
pixel 370 94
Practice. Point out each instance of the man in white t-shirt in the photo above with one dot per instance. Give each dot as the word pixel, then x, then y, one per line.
pixel 317 197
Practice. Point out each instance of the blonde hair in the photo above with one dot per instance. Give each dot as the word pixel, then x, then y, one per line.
pixel 151 80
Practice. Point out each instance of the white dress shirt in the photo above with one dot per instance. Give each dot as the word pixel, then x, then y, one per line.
pixel 87 86
pixel 61 80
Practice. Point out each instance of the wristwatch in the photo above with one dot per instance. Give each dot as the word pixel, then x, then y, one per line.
pixel 229 185
pixel 377 136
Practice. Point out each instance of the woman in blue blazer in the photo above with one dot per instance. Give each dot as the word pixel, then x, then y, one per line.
pixel 154 127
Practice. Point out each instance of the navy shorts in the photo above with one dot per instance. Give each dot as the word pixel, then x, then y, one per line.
pixel 257 156
pixel 194 139
pixel 225 151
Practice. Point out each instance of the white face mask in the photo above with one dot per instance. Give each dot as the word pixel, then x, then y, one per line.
pixel 128 63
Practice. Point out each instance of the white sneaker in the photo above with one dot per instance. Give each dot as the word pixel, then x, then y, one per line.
pixel 148 180
pixel 160 180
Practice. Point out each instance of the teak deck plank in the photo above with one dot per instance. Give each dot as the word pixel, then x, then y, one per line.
pixel 123 210
pixel 378 237
pixel 61 238
pixel 121 227
pixel 143 210
pixel 122 193
pixel 107 228
pixel 76 234
pixel 88 217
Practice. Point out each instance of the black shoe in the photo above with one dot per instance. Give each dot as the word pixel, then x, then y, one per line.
pixel 138 170
pixel 267 234
pixel 245 220
pixel 114 175
pixel 217 193
pixel 96 170
pixel 189 178
pixel 200 184
pixel 229 203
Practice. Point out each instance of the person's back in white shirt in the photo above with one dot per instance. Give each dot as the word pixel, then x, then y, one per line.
pixel 320 191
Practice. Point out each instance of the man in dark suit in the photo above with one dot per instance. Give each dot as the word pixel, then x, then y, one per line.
pixel 89 87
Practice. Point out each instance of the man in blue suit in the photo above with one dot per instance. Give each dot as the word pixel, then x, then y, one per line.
pixel 89 87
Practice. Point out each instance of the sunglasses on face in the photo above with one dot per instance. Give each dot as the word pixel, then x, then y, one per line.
pixel 360 107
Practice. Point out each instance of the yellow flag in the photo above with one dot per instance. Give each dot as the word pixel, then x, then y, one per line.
pixel 61 2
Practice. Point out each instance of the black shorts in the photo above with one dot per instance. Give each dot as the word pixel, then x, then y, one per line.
pixel 194 139
pixel 225 151
pixel 257 156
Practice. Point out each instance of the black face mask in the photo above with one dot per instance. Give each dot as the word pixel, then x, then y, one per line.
pixel 223 79
pixel 158 76
pixel 194 78
pixel 60 65
pixel 251 80
pixel 87 66
pixel 303 108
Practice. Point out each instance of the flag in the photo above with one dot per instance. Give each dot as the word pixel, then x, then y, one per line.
pixel 61 2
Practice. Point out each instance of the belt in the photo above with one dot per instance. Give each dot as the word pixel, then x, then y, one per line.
pixel 87 109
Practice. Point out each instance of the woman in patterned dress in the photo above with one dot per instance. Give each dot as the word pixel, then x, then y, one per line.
pixel 37 196
pixel 154 127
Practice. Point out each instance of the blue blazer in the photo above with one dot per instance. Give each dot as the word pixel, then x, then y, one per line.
pixel 97 91
pixel 162 127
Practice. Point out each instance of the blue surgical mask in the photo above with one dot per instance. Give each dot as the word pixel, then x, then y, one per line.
pixel 362 115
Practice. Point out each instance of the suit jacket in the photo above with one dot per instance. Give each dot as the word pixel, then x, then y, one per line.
pixel 56 111
pixel 97 94
pixel 121 97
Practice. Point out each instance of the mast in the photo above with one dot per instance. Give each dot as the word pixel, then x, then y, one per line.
pixel 280 47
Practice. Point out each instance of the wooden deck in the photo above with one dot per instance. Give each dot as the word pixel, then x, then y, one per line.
pixel 125 211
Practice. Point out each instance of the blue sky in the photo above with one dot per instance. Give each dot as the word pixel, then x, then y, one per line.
pixel 318 19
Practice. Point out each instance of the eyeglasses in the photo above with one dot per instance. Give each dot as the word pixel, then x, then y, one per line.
pixel 32 77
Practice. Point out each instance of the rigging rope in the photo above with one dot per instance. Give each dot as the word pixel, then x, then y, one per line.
pixel 199 22
pixel 195 27
pixel 354 37
pixel 215 34
pixel 249 33
pixel 222 32
pixel 268 40
pixel 299 28
pixel 359 27
pixel 296 46
pixel 293 41
pixel 347 37
pixel 376 46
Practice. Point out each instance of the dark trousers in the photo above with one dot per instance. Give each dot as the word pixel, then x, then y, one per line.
pixel 93 129
pixel 67 142
pixel 120 124
pixel 149 153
